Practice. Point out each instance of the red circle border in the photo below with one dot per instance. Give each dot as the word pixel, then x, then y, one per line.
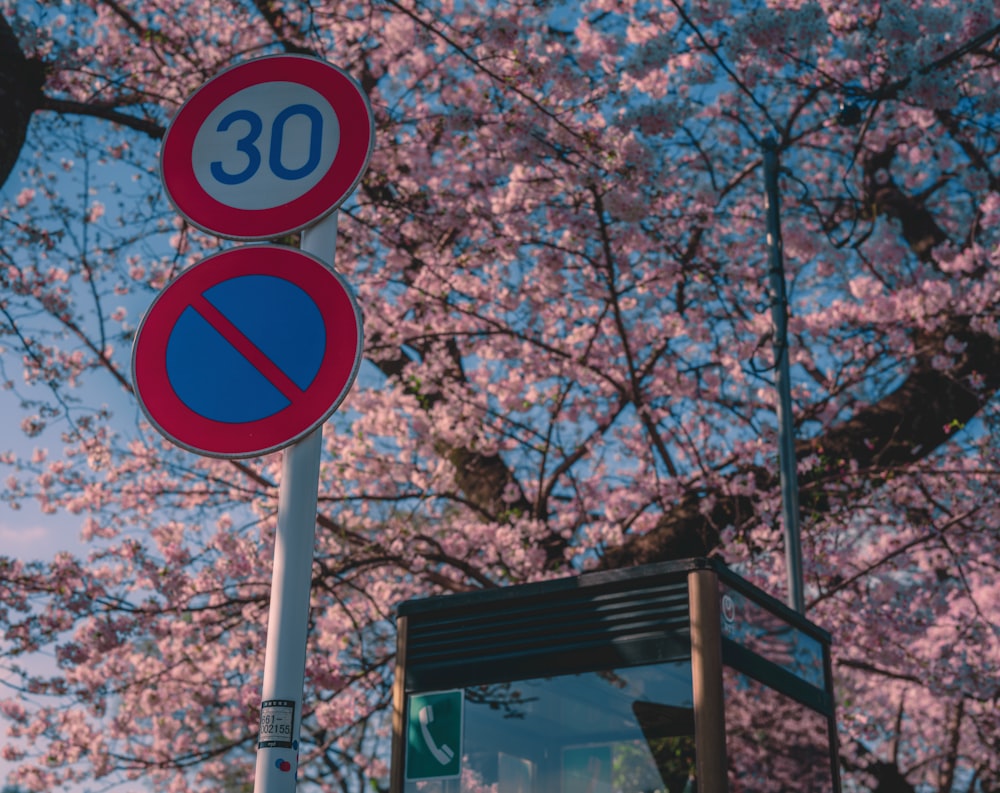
pixel 357 138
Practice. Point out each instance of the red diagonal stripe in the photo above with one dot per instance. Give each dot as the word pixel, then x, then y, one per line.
pixel 247 349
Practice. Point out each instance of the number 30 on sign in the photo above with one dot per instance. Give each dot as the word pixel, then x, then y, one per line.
pixel 267 147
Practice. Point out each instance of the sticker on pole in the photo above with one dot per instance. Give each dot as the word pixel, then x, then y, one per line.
pixel 434 735
pixel 277 720
pixel 247 351
pixel 267 147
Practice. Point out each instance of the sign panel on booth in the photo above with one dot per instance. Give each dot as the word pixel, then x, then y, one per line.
pixel 267 147
pixel 434 735
pixel 247 351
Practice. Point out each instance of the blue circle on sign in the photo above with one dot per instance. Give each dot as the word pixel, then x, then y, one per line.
pixel 207 360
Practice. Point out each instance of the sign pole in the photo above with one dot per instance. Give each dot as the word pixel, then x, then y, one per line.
pixel 265 148
pixel 288 617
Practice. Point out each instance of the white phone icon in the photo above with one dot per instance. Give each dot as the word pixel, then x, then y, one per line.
pixel 443 754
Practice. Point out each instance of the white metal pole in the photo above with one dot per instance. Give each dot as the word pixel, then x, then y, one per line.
pixel 288 617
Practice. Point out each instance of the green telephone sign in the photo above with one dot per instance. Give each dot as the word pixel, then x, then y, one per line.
pixel 434 735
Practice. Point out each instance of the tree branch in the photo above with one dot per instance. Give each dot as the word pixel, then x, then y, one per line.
pixel 105 111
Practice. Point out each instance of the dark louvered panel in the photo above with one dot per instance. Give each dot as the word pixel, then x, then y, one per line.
pixel 545 630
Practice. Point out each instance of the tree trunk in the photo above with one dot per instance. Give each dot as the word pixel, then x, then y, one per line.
pixel 21 81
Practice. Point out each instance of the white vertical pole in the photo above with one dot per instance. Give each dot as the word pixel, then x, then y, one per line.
pixel 288 617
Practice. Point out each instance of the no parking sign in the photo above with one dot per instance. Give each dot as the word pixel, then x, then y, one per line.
pixel 247 351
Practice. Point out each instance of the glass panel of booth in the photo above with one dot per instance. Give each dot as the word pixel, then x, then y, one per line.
pixel 774 744
pixel 766 634
pixel 627 730
pixel 779 717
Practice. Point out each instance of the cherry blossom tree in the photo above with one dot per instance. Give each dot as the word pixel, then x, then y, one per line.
pixel 559 252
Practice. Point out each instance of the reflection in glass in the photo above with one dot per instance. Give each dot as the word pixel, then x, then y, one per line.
pixel 773 743
pixel 614 731
pixel 763 632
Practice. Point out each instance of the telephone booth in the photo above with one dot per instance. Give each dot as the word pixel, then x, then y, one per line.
pixel 668 678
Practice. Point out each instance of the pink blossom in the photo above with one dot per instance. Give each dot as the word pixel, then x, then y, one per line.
pixel 560 251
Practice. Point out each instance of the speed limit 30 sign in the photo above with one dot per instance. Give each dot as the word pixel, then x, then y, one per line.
pixel 267 147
